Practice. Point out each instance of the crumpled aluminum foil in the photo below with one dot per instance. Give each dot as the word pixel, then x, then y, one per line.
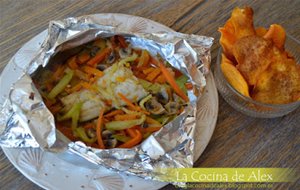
pixel 26 121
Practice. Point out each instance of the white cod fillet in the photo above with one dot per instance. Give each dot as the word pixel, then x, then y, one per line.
pixel 116 79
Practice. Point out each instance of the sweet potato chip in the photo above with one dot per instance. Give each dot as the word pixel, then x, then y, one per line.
pixel 280 83
pixel 276 33
pixel 261 31
pixel 253 55
pixel 239 25
pixel 234 77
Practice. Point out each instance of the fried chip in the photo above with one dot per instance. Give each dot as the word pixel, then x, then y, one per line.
pixel 261 31
pixel 234 77
pixel 280 83
pixel 253 55
pixel 239 25
pixel 276 34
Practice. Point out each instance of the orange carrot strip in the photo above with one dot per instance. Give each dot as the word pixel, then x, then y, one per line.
pixel 125 117
pixel 99 129
pixel 81 75
pixel 134 141
pixel 170 79
pixel 99 57
pixel 122 132
pixel 58 72
pixel 86 85
pixel 55 108
pixel 83 57
pixel 151 76
pixel 92 71
pixel 89 126
pixel 152 121
pixel 108 102
pixel 189 86
pixel 160 79
pixel 75 88
pixel 127 101
pixel 131 132
pixel 131 105
pixel 49 85
pixel 140 75
pixel 148 70
pixel 144 59
pixel 113 113
pixel 122 41
pixel 72 63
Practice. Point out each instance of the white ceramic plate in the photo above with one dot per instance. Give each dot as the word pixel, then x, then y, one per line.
pixel 66 170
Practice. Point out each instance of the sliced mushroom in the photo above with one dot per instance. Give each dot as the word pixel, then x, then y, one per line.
pixel 91 133
pixel 162 96
pixel 154 107
pixel 125 52
pixel 106 134
pixel 110 143
pixel 172 107
pixel 111 58
pixel 108 140
pixel 102 67
pixel 94 51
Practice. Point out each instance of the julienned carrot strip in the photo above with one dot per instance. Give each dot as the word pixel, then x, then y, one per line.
pixel 86 85
pixel 151 76
pixel 127 101
pixel 58 72
pixel 170 79
pixel 148 70
pixel 75 88
pixel 189 86
pixel 108 102
pixel 140 75
pixel 131 105
pixel 49 85
pixel 134 141
pixel 83 57
pixel 152 121
pixel 113 113
pixel 55 108
pixel 89 126
pixel 144 59
pixel 99 57
pixel 131 132
pixel 81 75
pixel 122 41
pixel 72 63
pixel 160 79
pixel 126 117
pixel 99 129
pixel 92 71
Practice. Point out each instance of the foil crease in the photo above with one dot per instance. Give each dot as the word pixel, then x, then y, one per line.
pixel 26 121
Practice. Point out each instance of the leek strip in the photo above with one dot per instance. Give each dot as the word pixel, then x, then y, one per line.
pixel 121 138
pixel 128 59
pixel 144 100
pixel 61 85
pixel 120 125
pixel 73 113
pixel 81 133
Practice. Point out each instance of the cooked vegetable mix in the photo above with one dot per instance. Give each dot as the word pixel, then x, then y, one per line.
pixel 110 95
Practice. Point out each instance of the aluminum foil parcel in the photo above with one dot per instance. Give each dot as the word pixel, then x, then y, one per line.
pixel 26 121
